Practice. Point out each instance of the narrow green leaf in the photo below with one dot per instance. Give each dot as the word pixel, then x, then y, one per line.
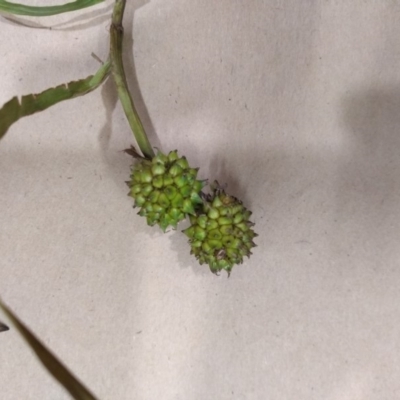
pixel 15 109
pixel 59 372
pixel 34 11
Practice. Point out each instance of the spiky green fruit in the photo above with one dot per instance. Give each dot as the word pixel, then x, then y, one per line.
pixel 221 234
pixel 166 189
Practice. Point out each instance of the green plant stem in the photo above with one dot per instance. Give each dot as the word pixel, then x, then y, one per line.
pixel 116 36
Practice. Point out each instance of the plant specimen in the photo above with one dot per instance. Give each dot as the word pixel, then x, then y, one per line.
pixel 164 186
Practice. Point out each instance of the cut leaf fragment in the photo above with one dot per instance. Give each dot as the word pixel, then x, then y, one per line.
pixel 37 11
pixel 59 372
pixel 3 327
pixel 30 104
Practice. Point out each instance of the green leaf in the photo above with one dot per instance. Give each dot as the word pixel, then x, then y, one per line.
pixel 21 9
pixel 59 372
pixel 15 109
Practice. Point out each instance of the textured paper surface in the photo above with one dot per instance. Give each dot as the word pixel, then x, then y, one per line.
pixel 295 105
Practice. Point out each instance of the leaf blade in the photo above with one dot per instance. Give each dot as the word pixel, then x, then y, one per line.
pixel 45 11
pixel 16 109
pixel 59 372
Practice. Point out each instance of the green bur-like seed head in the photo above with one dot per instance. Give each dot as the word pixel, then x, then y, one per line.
pixel 220 234
pixel 166 189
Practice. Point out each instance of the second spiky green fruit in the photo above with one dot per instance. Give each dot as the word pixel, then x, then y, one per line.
pixel 166 189
pixel 221 232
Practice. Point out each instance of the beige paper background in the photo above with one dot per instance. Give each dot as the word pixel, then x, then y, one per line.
pixel 295 105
